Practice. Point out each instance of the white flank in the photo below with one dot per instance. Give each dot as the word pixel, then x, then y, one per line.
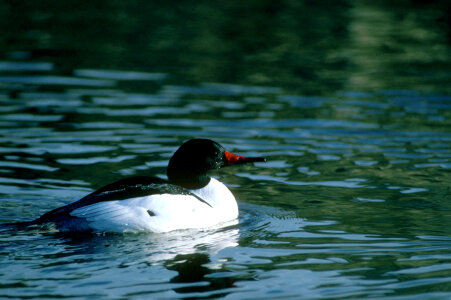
pixel 163 212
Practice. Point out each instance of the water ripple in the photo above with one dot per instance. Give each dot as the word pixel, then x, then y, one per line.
pixel 352 201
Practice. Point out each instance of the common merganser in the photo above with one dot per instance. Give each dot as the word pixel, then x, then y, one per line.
pixel 189 199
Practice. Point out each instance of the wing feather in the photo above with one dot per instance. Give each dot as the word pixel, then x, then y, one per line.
pixel 133 187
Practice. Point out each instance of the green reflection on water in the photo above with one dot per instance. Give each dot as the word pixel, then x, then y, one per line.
pixel 309 46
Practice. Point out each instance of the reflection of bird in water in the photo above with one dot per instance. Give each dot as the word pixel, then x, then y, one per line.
pixel 193 268
pixel 167 246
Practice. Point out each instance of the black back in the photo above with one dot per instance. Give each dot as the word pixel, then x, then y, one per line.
pixel 132 187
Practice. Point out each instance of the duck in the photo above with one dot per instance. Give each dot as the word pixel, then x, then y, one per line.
pixel 188 199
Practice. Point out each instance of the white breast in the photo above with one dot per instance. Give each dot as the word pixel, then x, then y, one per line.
pixel 220 198
pixel 164 212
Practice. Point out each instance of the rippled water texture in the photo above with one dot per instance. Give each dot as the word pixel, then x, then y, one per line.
pixel 350 104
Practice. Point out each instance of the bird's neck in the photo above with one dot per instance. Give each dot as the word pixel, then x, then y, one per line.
pixel 187 179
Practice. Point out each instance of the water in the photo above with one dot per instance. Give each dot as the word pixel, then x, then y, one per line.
pixel 354 200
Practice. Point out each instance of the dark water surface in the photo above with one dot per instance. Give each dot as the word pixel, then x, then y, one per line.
pixel 349 102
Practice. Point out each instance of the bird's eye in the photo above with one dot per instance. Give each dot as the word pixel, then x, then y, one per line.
pixel 216 153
